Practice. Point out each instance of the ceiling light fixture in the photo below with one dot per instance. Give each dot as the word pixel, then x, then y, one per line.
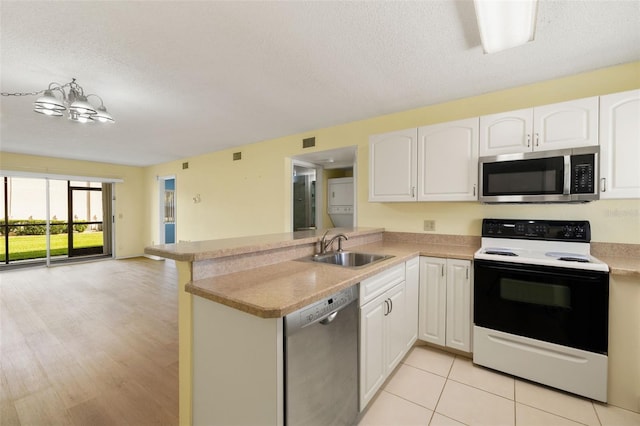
pixel 504 24
pixel 71 98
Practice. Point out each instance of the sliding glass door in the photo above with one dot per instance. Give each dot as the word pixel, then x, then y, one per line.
pixel 65 216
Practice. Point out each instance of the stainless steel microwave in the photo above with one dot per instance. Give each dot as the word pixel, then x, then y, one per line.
pixel 568 175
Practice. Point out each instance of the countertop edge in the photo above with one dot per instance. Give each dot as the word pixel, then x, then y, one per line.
pixel 197 251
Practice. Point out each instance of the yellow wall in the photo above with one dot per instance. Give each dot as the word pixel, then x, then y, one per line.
pixel 130 209
pixel 252 196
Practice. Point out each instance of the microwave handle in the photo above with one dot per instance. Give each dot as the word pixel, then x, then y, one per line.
pixel 567 175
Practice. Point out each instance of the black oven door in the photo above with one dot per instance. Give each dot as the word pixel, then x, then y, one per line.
pixel 569 307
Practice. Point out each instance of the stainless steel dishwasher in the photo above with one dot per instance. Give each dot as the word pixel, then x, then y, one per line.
pixel 321 362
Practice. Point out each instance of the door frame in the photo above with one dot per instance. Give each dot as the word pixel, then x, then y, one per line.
pixel 319 190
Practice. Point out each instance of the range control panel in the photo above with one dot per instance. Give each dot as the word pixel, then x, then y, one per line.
pixel 549 230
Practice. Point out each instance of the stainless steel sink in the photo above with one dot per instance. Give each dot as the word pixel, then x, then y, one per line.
pixel 349 259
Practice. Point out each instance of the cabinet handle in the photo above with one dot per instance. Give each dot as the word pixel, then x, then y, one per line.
pixel 537 139
pixel 442 270
pixel 528 140
pixel 413 191
pixel 603 185
pixel 467 272
pixel 333 195
pixel 386 307
pixel 391 305
pixel 474 190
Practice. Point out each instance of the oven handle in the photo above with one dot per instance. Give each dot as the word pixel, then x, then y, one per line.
pixel 583 274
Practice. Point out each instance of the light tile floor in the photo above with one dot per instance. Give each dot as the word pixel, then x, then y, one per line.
pixel 436 388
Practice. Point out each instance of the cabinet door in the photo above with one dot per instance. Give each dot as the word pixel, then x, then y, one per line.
pixel 395 322
pixel 459 304
pixel 433 299
pixel 411 302
pixel 566 125
pixel 392 166
pixel 372 348
pixel 506 132
pixel 620 145
pixel 448 161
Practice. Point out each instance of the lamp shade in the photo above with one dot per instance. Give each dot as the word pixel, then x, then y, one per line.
pixel 102 115
pixel 48 111
pixel 48 101
pixel 505 24
pixel 82 106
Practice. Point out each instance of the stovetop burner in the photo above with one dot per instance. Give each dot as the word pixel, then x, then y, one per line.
pixel 500 252
pixel 569 257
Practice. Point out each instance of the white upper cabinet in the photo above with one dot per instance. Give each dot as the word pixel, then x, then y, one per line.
pixel 392 166
pixel 557 126
pixel 566 125
pixel 620 145
pixel 448 161
pixel 506 132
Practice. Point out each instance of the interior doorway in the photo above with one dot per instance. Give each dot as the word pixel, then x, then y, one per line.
pixel 167 198
pixel 312 197
pixel 304 198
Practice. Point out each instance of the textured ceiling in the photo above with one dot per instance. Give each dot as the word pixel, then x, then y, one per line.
pixel 185 78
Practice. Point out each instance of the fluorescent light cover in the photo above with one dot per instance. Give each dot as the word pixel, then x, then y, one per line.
pixel 504 24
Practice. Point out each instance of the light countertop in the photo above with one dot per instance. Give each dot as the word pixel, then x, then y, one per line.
pixel 274 291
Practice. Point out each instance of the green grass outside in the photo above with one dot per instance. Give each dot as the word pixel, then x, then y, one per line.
pixel 22 247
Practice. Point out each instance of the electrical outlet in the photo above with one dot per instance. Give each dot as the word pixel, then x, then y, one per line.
pixel 429 225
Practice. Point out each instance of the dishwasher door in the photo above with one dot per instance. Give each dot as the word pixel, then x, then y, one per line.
pixel 321 362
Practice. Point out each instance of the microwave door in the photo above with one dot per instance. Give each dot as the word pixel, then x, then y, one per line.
pixel 525 180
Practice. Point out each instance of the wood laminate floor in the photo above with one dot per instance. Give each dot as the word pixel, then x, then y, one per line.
pixel 89 344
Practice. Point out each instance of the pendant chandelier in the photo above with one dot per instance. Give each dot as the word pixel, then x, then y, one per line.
pixel 71 98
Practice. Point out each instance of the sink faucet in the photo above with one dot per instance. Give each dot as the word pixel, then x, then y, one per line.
pixel 324 244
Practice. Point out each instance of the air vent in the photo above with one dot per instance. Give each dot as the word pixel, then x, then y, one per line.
pixel 309 142
pixel 237 156
pixel 185 165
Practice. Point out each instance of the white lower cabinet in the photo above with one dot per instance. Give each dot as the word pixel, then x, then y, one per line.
pixel 387 325
pixel 445 302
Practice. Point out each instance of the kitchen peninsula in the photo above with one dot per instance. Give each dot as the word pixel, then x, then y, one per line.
pixel 244 286
pixel 254 282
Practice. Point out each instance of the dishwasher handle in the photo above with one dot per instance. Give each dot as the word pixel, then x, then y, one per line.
pixel 329 318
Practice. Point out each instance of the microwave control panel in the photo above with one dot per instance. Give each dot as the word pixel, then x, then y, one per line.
pixel 583 174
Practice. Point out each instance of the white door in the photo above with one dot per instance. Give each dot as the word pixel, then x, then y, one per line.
pixel 506 132
pixel 433 300
pixel 372 348
pixel 566 125
pixel 395 323
pixel 392 166
pixel 448 161
pixel 620 145
pixel 412 291
pixel 459 304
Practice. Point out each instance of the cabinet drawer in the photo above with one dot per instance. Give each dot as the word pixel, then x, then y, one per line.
pixel 378 284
